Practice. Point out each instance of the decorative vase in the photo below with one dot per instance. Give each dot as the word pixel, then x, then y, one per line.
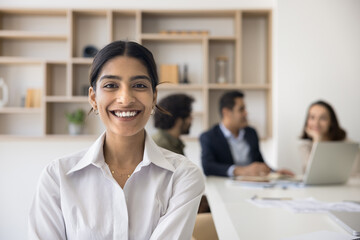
pixel 76 129
pixel 4 93
pixel 221 69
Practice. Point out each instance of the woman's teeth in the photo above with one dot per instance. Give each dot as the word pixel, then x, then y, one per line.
pixel 125 114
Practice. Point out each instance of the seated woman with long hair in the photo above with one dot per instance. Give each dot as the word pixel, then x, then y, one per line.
pixel 321 124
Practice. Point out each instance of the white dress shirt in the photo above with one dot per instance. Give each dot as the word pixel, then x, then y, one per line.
pixel 77 197
pixel 240 149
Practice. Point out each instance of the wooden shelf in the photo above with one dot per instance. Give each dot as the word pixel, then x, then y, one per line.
pixel 173 37
pixel 46 45
pixel 31 35
pixel 85 61
pixel 169 86
pixel 20 60
pixel 19 110
pixel 222 38
pixel 215 86
pixel 65 99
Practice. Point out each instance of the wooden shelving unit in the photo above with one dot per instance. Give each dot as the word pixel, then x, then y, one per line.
pixel 44 49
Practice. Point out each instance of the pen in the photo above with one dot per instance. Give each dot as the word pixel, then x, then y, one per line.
pixel 276 198
pixel 270 198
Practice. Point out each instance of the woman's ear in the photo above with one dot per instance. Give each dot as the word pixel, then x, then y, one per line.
pixel 154 98
pixel 92 98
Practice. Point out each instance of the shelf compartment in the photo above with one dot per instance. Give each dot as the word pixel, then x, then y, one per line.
pixel 211 22
pixel 40 21
pixel 56 80
pixel 180 53
pixel 34 48
pixel 19 78
pixel 255 59
pixel 90 28
pixel 124 26
pixel 221 48
pixel 56 122
pixel 80 75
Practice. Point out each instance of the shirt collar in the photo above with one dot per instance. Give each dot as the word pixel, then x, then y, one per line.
pixel 153 154
pixel 95 155
pixel 228 134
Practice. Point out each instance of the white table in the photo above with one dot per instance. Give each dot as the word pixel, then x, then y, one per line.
pixel 236 218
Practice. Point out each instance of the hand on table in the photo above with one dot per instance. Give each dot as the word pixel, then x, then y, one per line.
pixel 285 172
pixel 254 169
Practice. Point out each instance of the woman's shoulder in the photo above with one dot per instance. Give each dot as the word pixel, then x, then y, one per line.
pixel 175 159
pixel 65 163
pixel 184 170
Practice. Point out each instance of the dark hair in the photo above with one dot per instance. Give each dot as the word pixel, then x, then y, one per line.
pixel 336 133
pixel 178 105
pixel 227 100
pixel 128 49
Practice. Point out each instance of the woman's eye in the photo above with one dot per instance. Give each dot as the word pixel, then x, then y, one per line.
pixel 139 85
pixel 110 85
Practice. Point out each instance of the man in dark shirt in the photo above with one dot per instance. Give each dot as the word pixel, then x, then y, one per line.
pixel 231 148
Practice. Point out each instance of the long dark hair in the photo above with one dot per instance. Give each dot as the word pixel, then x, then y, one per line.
pixel 335 133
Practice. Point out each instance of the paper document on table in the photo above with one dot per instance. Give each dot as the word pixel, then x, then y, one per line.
pixel 307 205
pixel 272 180
pixel 321 235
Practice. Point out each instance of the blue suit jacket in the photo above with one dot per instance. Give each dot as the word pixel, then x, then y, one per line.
pixel 216 155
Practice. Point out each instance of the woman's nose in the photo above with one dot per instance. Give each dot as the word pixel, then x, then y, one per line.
pixel 125 96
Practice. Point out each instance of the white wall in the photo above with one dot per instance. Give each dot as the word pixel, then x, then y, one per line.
pixel 21 165
pixel 316 55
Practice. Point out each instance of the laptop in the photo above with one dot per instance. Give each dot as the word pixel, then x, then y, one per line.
pixel 330 163
pixel 350 221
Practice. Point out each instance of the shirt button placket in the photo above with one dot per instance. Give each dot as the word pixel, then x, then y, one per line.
pixel 121 218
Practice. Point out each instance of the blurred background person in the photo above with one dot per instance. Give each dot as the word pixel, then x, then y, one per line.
pixel 170 127
pixel 231 148
pixel 321 124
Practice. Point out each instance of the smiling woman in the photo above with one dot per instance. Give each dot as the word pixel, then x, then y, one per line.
pixel 321 124
pixel 124 186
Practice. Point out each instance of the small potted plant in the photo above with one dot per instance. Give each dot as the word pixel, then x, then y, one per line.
pixel 76 121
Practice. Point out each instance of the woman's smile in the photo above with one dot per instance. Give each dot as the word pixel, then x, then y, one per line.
pixel 128 114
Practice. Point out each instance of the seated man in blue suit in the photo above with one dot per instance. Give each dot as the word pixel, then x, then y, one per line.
pixel 231 148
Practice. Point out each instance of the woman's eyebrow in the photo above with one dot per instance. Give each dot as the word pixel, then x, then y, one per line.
pixel 110 77
pixel 140 77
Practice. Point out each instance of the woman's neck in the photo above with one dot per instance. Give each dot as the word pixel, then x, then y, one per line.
pixel 124 152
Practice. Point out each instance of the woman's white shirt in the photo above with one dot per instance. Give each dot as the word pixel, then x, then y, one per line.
pixel 77 197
